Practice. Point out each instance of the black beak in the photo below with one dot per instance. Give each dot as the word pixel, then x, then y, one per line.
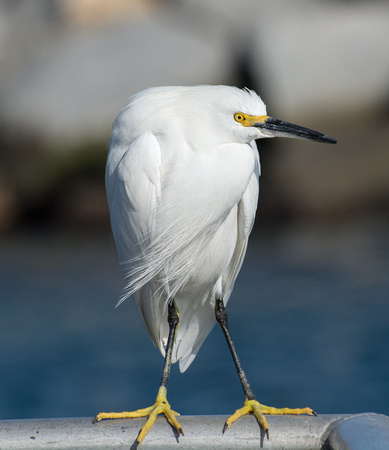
pixel 279 128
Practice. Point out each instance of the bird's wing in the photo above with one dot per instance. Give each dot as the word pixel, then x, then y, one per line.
pixel 199 325
pixel 133 191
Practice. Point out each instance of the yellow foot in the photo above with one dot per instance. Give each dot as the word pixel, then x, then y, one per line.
pixel 161 406
pixel 254 407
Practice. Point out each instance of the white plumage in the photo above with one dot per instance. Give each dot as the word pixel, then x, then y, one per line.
pixel 182 186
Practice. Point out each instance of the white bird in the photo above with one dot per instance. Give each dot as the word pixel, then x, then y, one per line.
pixel 182 186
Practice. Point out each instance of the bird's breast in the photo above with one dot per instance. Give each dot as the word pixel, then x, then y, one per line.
pixel 198 212
pixel 208 181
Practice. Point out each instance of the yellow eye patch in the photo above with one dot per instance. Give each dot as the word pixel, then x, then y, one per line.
pixel 249 121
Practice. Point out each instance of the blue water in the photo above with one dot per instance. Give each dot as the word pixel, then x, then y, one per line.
pixel 309 315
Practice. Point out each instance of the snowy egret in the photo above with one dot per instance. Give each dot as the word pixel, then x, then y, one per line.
pixel 182 186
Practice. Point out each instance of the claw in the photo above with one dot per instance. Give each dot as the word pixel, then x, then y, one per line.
pixel 256 408
pixel 161 406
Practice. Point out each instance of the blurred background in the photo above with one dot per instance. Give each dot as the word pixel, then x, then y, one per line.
pixel 309 313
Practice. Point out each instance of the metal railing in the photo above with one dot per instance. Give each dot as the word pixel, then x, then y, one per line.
pixel 366 431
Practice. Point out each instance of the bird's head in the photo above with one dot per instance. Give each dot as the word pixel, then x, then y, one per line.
pixel 244 113
pixel 206 116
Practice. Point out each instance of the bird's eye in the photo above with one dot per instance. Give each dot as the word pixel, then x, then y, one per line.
pixel 239 117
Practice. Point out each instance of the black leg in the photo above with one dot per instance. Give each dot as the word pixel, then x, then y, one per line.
pixel 161 405
pixel 222 319
pixel 173 319
pixel 251 405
